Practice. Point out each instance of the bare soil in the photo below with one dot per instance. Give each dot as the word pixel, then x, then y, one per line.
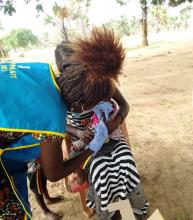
pixel 158 84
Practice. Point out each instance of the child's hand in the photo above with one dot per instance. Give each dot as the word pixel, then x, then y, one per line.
pixel 85 135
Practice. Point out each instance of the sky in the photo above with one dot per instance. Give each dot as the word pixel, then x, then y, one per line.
pixel 101 11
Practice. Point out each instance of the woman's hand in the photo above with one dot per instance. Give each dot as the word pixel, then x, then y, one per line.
pixel 85 135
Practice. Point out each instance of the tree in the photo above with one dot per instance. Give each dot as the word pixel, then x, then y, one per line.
pixel 65 18
pixel 78 10
pixel 9 6
pixel 2 51
pixel 59 19
pixel 123 26
pixel 159 18
pixel 19 38
pixel 144 8
pixel 185 15
pixel 145 5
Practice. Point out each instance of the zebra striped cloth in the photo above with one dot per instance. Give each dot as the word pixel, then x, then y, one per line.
pixel 115 176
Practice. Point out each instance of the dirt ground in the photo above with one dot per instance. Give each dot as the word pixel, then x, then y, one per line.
pixel 158 84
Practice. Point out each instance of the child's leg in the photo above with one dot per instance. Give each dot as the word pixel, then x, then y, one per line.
pixel 85 210
pixel 123 127
pixel 81 176
pixel 66 147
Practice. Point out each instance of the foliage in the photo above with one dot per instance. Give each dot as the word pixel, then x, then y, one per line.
pixel 175 3
pixel 79 14
pixel 159 18
pixel 160 15
pixel 19 38
pixel 123 26
pixel 59 19
pixel 185 15
pixel 69 18
pixel 9 6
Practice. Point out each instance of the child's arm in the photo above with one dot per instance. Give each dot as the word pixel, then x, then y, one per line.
pixel 85 135
pixel 122 112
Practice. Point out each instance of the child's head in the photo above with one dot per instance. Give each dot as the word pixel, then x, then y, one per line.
pixel 89 68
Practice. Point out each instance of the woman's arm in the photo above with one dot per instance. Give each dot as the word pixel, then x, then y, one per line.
pixel 52 160
pixel 122 112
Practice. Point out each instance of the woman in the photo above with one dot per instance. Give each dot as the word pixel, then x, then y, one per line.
pixel 32 125
pixel 32 116
pixel 95 63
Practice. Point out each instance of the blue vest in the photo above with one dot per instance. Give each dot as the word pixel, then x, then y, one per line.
pixel 30 102
pixel 30 99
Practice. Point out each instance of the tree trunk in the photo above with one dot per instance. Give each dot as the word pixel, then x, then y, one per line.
pixel 144 26
pixel 64 31
pixel 2 53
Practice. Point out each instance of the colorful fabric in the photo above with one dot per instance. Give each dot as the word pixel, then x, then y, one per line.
pixel 9 136
pixel 84 120
pixel 103 108
pixel 14 161
pixel 10 207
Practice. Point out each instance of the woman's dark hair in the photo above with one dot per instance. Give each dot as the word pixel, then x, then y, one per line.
pixel 76 89
pixel 89 67
pixel 62 53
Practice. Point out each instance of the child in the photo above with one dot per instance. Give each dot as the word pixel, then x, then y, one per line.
pixel 102 112
pixel 89 69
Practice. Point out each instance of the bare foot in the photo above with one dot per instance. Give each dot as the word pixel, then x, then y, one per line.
pixel 54 199
pixel 52 216
pixel 140 217
pixel 117 216
pixel 88 212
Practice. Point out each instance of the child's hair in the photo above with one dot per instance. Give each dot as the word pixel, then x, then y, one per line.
pixel 89 67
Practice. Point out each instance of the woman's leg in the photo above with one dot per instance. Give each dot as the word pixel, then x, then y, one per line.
pixel 49 199
pixel 37 183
